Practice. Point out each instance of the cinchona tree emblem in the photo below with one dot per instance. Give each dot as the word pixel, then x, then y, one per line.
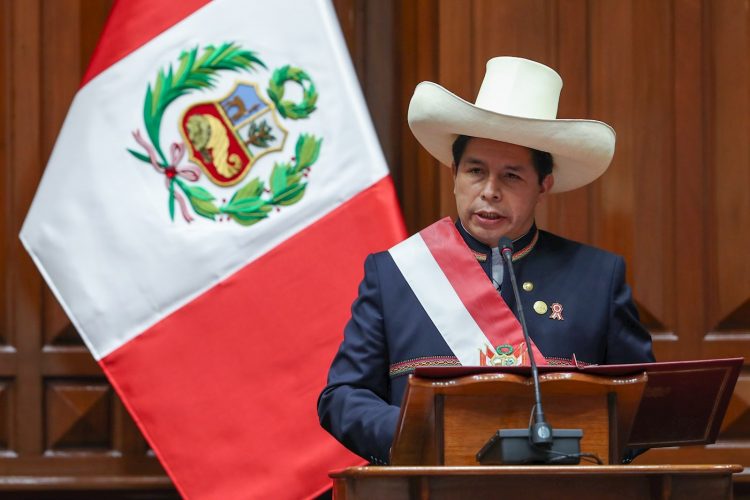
pixel 225 137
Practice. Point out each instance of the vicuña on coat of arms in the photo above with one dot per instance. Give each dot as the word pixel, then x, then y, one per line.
pixel 224 137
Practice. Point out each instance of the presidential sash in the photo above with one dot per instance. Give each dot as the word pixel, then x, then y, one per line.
pixel 461 302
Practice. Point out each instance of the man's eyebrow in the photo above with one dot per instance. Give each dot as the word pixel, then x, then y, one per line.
pixel 469 160
pixel 473 161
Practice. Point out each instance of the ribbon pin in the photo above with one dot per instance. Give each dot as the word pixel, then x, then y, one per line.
pixel 557 309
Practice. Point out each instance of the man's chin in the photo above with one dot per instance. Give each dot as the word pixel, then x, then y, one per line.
pixel 489 238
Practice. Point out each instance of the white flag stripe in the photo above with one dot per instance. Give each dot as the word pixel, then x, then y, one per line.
pixel 170 263
pixel 439 300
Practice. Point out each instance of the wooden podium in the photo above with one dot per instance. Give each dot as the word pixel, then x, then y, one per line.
pixel 448 414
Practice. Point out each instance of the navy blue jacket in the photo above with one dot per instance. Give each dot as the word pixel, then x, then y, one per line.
pixel 389 333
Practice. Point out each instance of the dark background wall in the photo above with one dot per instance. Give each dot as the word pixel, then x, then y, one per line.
pixel 671 76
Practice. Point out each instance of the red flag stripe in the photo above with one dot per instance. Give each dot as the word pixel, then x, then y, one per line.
pixel 254 351
pixel 131 24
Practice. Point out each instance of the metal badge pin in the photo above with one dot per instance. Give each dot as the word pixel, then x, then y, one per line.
pixel 528 286
pixel 540 307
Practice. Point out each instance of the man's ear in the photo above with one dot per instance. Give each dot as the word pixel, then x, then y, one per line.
pixel 547 184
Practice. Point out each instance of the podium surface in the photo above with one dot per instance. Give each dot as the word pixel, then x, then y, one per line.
pixel 707 482
pixel 449 412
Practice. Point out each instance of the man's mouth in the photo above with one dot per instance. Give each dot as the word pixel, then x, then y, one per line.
pixel 488 215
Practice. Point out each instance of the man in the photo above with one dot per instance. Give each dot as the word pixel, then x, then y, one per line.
pixel 433 299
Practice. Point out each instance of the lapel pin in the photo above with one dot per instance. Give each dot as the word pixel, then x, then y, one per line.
pixel 557 310
pixel 540 307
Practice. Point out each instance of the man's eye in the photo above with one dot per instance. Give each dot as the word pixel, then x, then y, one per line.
pixel 512 176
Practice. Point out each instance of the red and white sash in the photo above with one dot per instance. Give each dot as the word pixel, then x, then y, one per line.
pixel 469 313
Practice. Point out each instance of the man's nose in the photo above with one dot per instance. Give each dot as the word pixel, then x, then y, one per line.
pixel 491 189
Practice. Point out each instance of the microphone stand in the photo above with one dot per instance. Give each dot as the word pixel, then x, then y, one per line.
pixel 541 431
pixel 539 443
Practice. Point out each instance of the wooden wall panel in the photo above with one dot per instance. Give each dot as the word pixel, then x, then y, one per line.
pixel 62 63
pixel 6 291
pixel 24 156
pixel 417 174
pixel 78 417
pixel 524 28
pixel 690 175
pixel 369 29
pixel 672 77
pixel 456 72
pixel 660 75
pixel 653 168
pixel 59 419
pixel 6 417
pixel 726 302
pixel 729 157
pixel 612 71
pixel 570 212
pixel 61 425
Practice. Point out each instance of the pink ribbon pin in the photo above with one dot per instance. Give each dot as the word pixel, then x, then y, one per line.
pixel 557 310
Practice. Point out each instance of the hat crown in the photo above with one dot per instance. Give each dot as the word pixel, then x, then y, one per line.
pixel 520 87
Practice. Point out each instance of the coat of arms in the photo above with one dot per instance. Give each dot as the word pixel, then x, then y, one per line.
pixel 224 137
pixel 503 355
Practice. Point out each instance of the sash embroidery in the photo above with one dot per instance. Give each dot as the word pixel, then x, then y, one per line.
pixel 409 365
pixel 471 316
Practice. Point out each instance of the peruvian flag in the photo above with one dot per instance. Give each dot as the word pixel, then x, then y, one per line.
pixel 203 220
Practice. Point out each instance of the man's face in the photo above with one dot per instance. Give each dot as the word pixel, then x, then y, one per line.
pixel 497 190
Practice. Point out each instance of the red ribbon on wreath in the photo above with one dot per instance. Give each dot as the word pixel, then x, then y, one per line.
pixel 172 170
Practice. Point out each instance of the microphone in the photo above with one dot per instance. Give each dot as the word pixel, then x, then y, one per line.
pixel 540 432
pixel 538 443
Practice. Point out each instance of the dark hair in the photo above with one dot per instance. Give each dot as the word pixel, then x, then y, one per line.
pixel 541 160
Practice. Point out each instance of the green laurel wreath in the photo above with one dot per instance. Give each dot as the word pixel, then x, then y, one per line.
pixel 197 71
pixel 287 108
pixel 194 73
pixel 249 205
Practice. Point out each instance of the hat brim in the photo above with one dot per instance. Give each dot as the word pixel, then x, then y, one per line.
pixel 581 149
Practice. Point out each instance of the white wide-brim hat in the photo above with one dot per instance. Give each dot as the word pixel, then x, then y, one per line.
pixel 517 103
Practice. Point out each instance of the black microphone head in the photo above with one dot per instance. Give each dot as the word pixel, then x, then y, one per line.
pixel 505 244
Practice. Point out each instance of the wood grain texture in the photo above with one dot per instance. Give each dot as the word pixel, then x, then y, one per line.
pixel 691 199
pixel 420 174
pixel 58 416
pixel 613 75
pixel 455 73
pixel 62 63
pixel 729 158
pixel 447 423
pixel 6 291
pixel 596 482
pixel 672 77
pixel 652 169
pixel 570 213
pixel 24 137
